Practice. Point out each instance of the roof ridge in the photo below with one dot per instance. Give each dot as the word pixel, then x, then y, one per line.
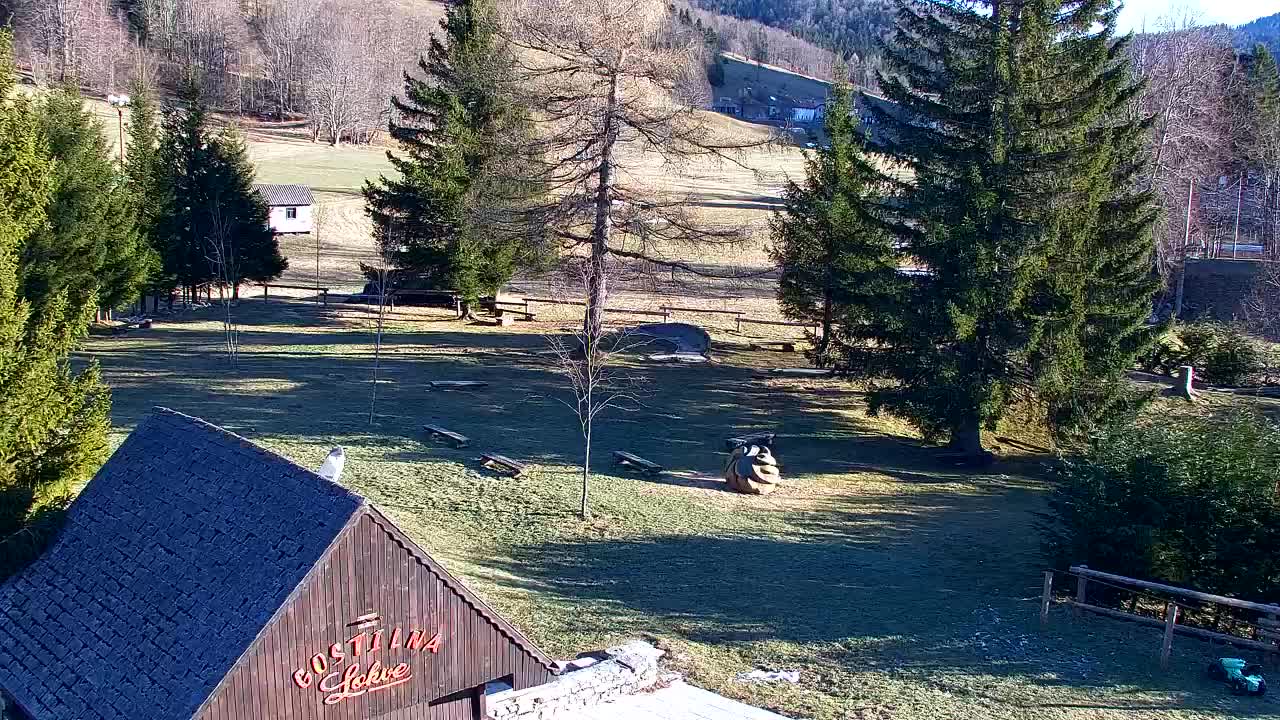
pixel 159 411
pixel 468 596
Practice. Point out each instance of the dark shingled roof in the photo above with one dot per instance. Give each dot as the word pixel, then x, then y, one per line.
pixel 290 195
pixel 132 614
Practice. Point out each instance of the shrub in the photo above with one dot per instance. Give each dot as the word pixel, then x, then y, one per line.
pixel 1195 504
pixel 1221 353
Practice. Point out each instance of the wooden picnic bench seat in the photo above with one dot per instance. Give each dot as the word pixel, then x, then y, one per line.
pixel 503 463
pixel 780 345
pixel 504 311
pixel 803 372
pixel 627 459
pixel 458 440
pixel 456 384
pixel 766 439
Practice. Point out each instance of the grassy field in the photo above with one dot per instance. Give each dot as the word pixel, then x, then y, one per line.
pixel 898 586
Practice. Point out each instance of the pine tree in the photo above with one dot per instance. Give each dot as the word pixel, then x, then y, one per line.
pixel 89 250
pixel 449 210
pixel 53 422
pixel 835 254
pixel 1036 250
pixel 239 213
pixel 144 176
pixel 213 225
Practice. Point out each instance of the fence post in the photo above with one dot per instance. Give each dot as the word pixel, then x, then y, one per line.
pixel 1082 585
pixel 1170 619
pixel 1046 597
pixel 739 320
pixel 264 292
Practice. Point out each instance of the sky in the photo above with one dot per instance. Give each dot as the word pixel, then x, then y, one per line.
pixel 1232 12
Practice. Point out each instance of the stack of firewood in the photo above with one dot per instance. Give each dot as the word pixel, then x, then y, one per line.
pixel 752 470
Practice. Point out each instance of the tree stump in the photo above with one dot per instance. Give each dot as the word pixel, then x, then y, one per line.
pixel 1185 388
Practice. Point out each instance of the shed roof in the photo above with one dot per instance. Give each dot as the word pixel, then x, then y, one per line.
pixel 282 195
pixel 172 561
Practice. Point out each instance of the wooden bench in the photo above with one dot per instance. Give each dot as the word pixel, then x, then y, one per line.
pixel 503 464
pixel 456 384
pixel 780 346
pixel 322 292
pixel 458 440
pixel 803 372
pixel 627 459
pixel 502 312
pixel 766 439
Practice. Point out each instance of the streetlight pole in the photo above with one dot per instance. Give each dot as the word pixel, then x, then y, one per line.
pixel 119 102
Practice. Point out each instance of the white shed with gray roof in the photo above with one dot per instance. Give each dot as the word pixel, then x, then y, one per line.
pixel 289 207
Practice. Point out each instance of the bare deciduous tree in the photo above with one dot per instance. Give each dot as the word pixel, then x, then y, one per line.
pixel 287 35
pixel 79 41
pixel 222 259
pixel 592 364
pixel 384 242
pixel 1190 72
pixel 319 223
pixel 608 92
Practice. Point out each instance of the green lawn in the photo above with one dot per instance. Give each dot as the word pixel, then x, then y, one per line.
pixel 898 586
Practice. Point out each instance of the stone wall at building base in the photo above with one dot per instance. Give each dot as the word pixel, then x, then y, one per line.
pixel 585 682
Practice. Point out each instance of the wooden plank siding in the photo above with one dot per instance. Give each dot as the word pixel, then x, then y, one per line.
pixel 371 567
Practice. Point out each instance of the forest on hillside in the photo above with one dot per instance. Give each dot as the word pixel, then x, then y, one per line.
pixel 1264 30
pixel 851 28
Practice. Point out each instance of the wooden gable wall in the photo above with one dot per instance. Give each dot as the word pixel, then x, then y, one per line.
pixel 297 666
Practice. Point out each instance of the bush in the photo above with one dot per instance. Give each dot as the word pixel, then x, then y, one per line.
pixel 1196 504
pixel 1220 353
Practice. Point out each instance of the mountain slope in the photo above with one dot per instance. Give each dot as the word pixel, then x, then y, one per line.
pixel 848 27
pixel 1263 30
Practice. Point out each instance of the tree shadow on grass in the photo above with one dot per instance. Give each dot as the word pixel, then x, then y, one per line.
pixel 926 586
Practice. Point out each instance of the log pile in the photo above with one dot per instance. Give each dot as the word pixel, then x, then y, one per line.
pixel 753 470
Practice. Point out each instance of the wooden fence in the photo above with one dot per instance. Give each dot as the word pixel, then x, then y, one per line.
pixel 1266 632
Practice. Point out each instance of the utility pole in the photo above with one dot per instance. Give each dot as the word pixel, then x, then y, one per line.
pixel 1239 201
pixel 1186 240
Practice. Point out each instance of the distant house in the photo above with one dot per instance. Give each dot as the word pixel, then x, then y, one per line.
pixel 806 113
pixel 199 576
pixel 728 106
pixel 290 207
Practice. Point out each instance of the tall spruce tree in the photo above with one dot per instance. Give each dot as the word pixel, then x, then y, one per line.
pixel 53 421
pixel 144 176
pixel 213 225
pixel 89 250
pixel 1036 248
pixel 836 256
pixel 452 210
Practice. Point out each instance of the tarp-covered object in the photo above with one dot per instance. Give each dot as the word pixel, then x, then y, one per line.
pixel 671 337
